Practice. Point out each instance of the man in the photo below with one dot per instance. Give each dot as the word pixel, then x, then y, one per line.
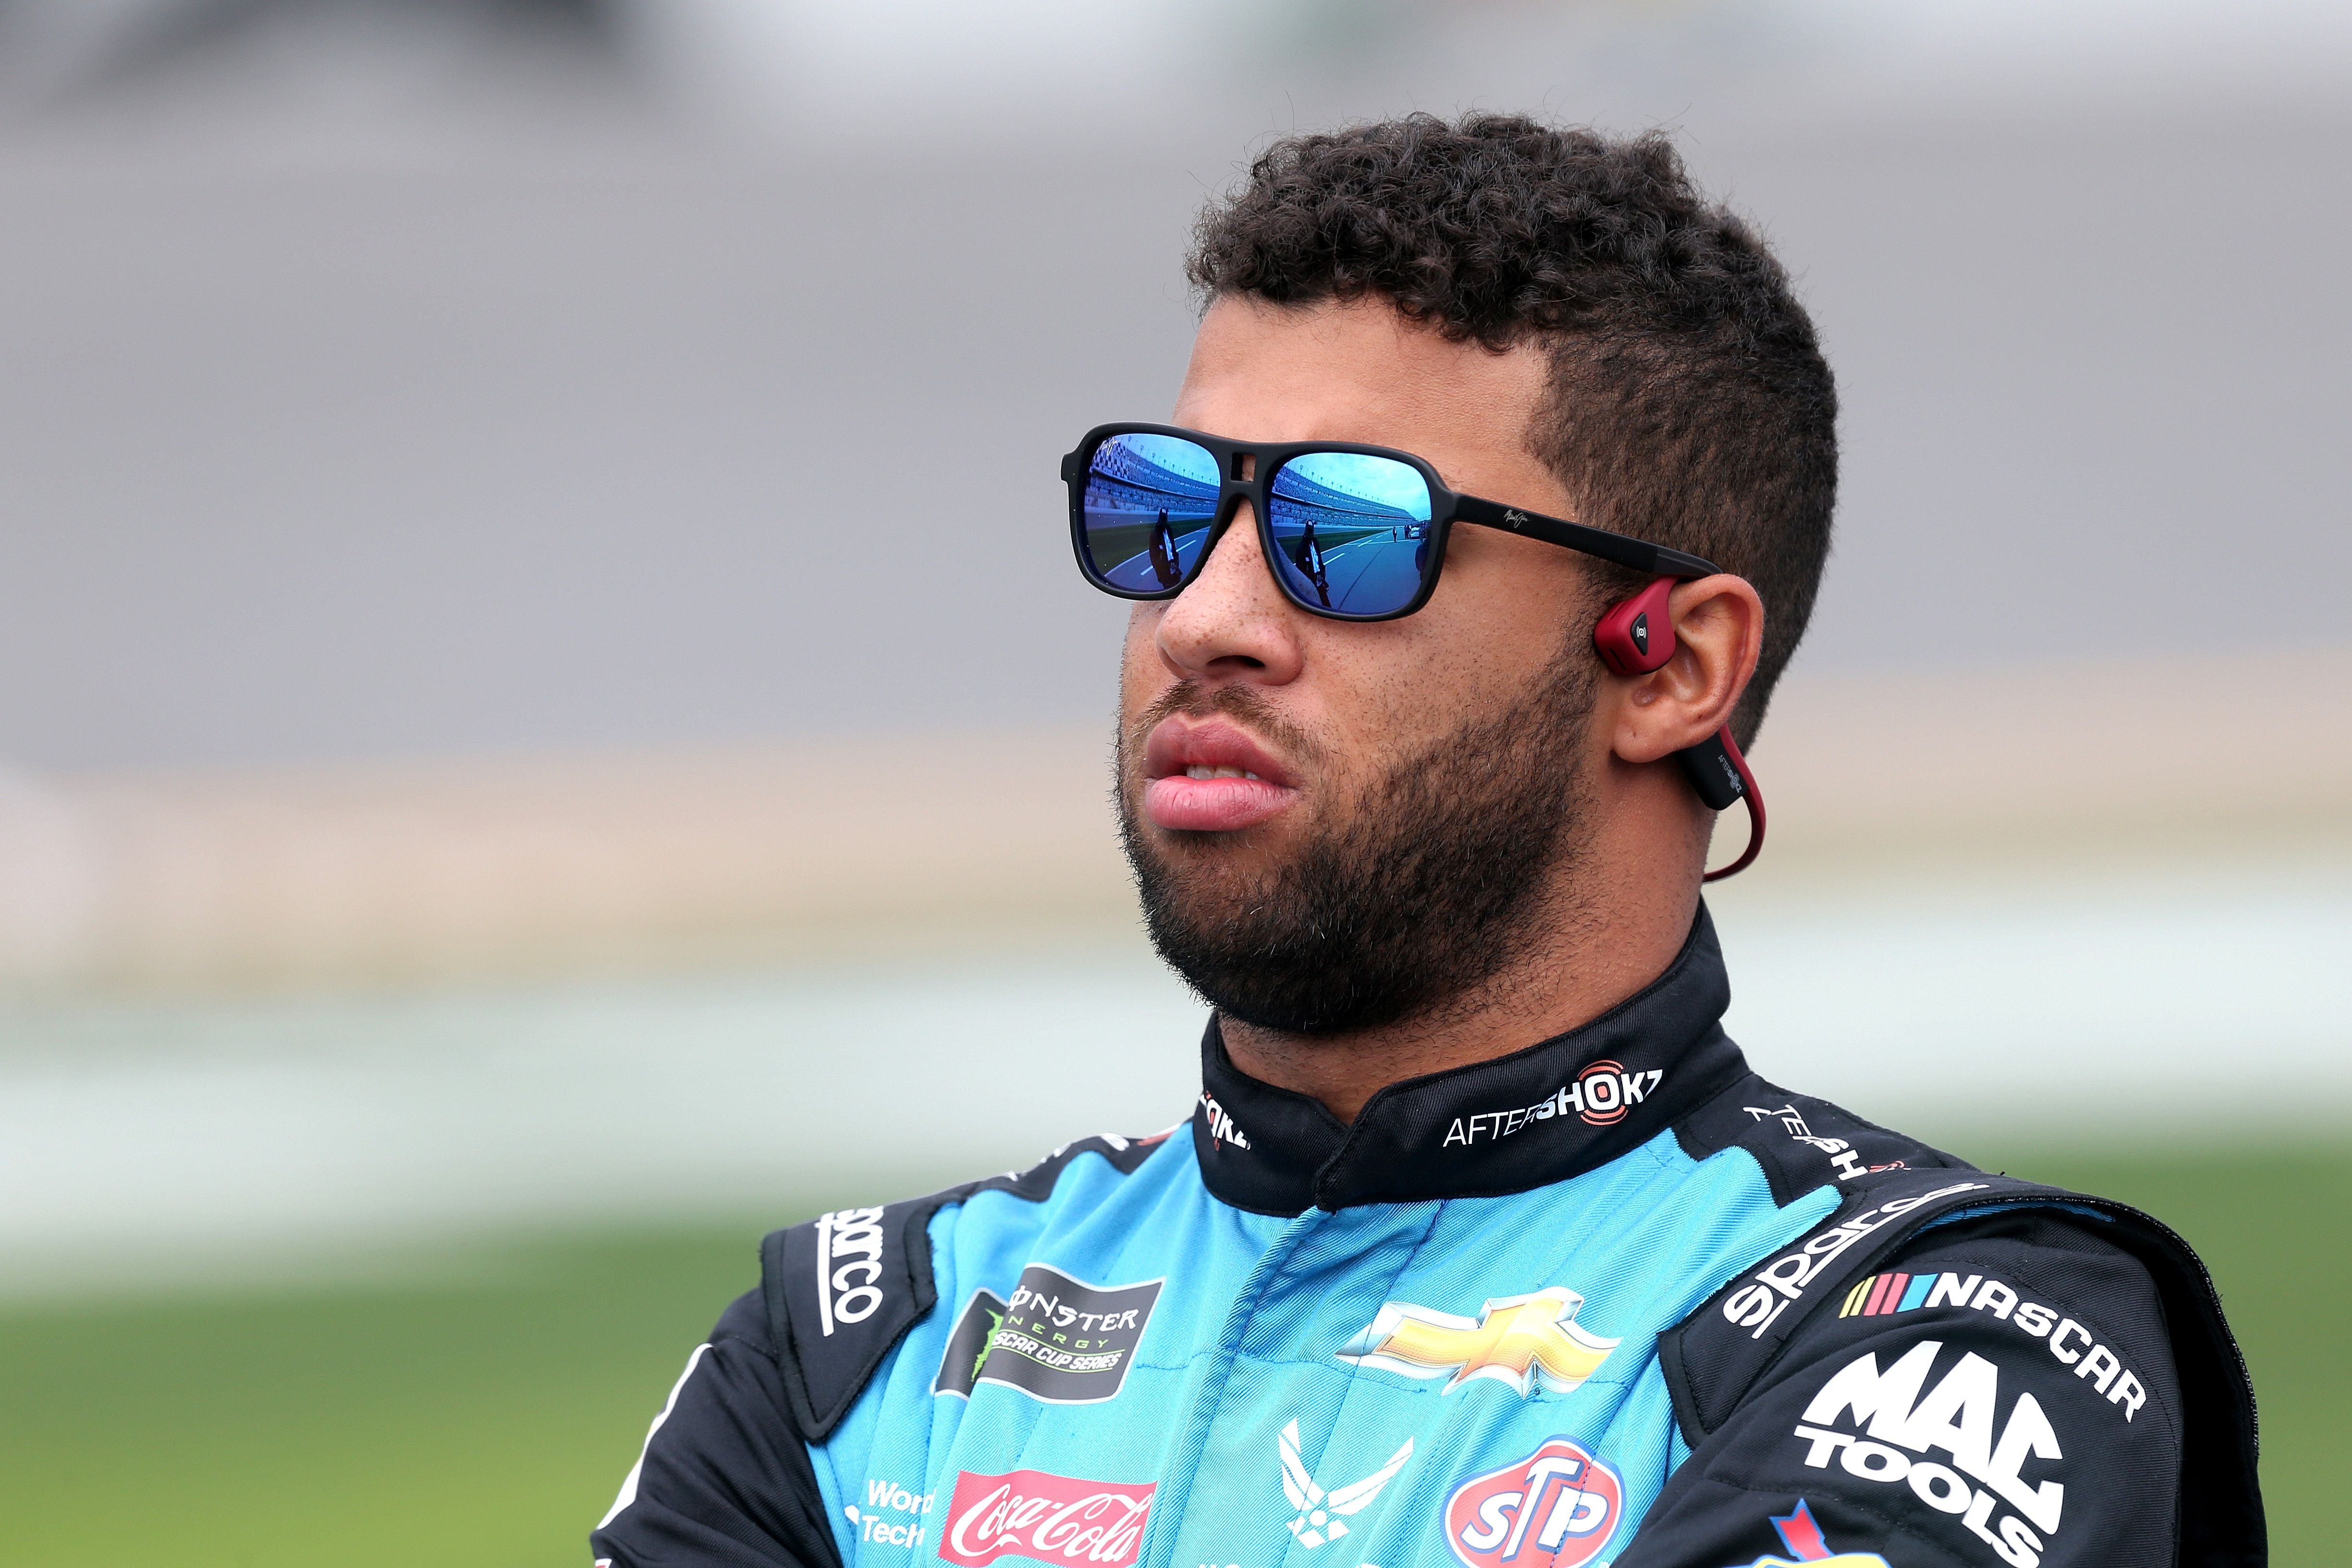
pixel 1482 1246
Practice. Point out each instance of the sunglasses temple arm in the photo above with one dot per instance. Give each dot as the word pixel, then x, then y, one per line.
pixel 1655 560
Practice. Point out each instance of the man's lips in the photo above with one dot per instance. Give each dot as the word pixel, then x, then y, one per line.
pixel 1206 775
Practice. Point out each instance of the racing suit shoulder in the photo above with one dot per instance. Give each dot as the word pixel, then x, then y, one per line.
pixel 1999 1386
pixel 722 1477
pixel 1939 1366
pixel 726 1475
pixel 843 1288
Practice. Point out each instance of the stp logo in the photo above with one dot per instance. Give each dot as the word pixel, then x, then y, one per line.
pixel 1030 1514
pixel 1555 1509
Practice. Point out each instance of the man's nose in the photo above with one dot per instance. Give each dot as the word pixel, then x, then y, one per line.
pixel 1230 622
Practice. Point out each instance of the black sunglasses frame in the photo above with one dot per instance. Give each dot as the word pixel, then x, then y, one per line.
pixel 1446 507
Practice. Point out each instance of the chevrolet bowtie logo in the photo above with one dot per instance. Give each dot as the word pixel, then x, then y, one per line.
pixel 1516 1340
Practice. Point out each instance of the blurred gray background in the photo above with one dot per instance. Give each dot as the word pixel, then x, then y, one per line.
pixel 395 378
pixel 532 580
pixel 546 724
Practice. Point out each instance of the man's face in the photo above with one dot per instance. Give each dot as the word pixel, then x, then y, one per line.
pixel 1415 781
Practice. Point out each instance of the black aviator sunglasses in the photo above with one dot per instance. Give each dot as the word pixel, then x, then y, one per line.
pixel 1352 532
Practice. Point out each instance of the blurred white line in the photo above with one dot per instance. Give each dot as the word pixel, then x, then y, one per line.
pixel 151 1139
pixel 2216 999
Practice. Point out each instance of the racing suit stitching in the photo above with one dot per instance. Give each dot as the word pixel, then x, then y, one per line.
pixel 1354 1372
pixel 1193 1440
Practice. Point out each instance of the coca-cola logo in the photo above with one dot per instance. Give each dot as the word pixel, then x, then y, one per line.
pixel 1053 1519
pixel 1555 1509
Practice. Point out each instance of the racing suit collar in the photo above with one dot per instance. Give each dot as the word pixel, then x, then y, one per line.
pixel 1508 1125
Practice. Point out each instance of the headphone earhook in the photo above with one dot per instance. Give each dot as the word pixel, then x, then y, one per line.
pixel 1635 636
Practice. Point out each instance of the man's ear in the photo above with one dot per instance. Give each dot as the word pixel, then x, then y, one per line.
pixel 1718 625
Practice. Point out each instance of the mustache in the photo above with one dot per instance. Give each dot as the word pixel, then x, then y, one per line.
pixel 1196 700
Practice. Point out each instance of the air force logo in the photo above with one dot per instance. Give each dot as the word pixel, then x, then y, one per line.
pixel 1518 1341
pixel 1321 1513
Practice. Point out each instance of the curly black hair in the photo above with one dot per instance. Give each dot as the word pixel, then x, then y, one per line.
pixel 1689 401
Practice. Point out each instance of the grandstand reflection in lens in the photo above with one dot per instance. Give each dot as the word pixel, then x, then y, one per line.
pixel 1150 503
pixel 1352 530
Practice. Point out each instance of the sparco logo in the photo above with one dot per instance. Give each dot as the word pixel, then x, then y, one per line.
pixel 848 1265
pixel 1053 1518
pixel 1221 1125
pixel 1955 1419
pixel 1602 1094
pixel 1555 1509
pixel 1784 1279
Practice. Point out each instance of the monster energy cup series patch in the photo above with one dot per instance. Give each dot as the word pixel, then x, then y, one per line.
pixel 1058 1340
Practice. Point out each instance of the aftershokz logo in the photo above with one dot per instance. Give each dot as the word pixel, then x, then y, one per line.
pixel 1600 1094
pixel 1956 1418
pixel 968 1345
pixel 1786 1277
pixel 1885 1295
pixel 1842 1159
pixel 1222 1129
pixel 882 1500
pixel 1555 1509
pixel 1064 1341
pixel 1322 1515
pixel 1055 1519
pixel 849 1266
pixel 1516 1340
pixel 1802 1536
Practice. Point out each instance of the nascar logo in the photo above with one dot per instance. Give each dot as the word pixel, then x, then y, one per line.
pixel 1882 1295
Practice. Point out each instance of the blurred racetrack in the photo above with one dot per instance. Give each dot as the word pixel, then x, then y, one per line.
pixel 546 724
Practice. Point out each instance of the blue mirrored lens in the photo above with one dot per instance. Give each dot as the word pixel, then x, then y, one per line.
pixel 1351 532
pixel 1148 504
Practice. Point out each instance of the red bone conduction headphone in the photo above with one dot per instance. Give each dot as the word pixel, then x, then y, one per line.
pixel 1635 636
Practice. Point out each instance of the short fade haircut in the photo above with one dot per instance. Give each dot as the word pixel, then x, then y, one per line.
pixel 1689 402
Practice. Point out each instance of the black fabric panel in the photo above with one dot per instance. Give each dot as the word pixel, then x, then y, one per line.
pixel 1801 1141
pixel 725 1481
pixel 833 1334
pixel 1873 1480
pixel 2222 1523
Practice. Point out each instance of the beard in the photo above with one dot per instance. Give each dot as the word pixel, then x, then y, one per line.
pixel 1406 899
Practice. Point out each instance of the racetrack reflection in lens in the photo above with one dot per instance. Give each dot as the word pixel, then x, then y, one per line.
pixel 1350 531
pixel 1149 502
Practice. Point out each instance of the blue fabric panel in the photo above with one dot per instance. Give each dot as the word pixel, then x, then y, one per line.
pixel 1244 1343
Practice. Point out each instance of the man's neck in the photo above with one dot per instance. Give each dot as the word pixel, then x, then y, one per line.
pixel 1604 950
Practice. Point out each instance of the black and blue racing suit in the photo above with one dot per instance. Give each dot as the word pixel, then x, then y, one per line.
pixel 1611 1300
